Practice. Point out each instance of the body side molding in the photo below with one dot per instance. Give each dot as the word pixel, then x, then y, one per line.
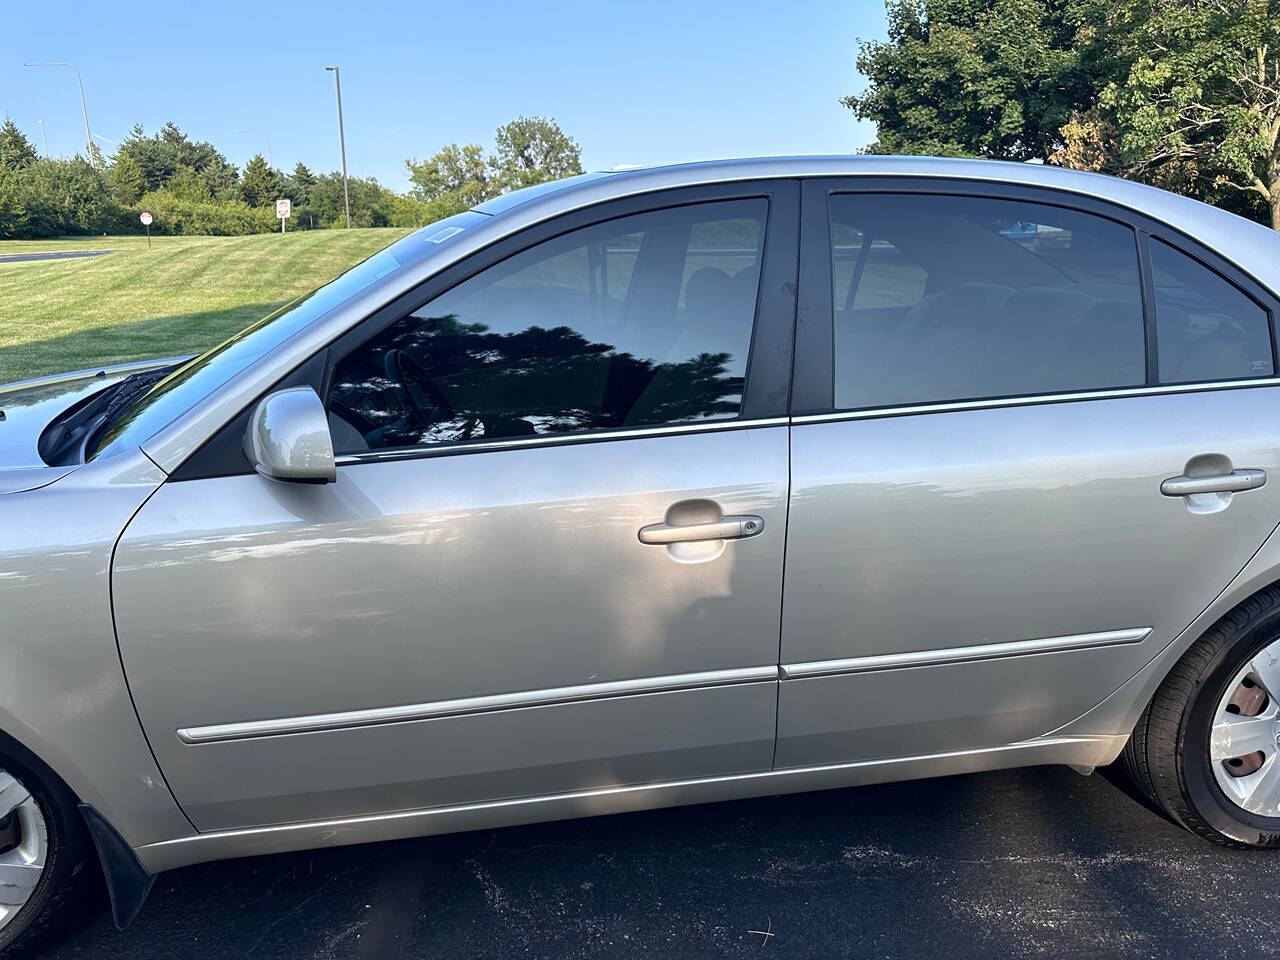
pixel 376 716
pixel 983 651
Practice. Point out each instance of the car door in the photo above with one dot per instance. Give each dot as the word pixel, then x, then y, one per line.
pixel 552 559
pixel 1006 497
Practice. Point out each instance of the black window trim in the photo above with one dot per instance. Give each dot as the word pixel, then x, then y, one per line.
pixel 813 391
pixel 766 390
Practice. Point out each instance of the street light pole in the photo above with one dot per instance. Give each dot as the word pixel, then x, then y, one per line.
pixel 43 139
pixel 342 145
pixel 268 137
pixel 88 137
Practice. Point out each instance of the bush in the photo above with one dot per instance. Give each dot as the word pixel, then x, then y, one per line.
pixel 181 216
pixel 55 197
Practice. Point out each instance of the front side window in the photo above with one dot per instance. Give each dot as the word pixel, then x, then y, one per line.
pixel 637 321
pixel 941 298
pixel 1206 329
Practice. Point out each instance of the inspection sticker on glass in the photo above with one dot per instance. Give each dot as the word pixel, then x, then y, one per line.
pixel 440 236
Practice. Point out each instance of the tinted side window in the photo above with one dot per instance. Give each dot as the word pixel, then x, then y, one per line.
pixel 886 277
pixel 968 297
pixel 641 320
pixel 1206 329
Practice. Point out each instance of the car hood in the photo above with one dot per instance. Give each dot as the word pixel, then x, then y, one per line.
pixel 27 407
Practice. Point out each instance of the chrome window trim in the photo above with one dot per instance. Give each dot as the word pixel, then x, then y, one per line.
pixel 377 716
pixel 454 448
pixel 873 413
pixel 982 651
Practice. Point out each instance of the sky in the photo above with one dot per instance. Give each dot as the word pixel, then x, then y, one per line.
pixel 634 82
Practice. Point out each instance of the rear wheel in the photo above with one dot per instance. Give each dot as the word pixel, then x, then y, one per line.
pixel 42 846
pixel 1207 748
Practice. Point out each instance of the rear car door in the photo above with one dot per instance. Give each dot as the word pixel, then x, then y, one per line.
pixel 1038 455
pixel 552 559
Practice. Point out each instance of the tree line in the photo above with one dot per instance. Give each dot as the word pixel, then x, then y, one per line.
pixel 1182 94
pixel 190 187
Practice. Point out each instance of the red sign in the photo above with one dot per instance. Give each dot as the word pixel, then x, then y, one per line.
pixel 283 208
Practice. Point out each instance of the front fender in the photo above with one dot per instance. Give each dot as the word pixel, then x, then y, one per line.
pixel 63 693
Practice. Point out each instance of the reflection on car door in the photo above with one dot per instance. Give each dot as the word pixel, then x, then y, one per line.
pixel 471 613
pixel 969 566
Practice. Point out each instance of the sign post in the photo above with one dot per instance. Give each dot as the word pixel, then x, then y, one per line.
pixel 283 209
pixel 146 222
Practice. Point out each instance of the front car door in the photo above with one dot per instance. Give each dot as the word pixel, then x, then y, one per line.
pixel 471 612
pixel 980 548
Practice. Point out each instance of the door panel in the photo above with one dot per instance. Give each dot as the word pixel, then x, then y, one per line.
pixel 417 582
pixel 939 530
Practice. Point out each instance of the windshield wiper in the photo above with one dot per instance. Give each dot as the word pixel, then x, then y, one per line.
pixel 120 397
pixel 61 441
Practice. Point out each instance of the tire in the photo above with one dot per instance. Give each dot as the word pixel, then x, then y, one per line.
pixel 1168 755
pixel 58 893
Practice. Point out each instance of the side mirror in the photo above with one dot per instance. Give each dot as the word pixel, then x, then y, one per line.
pixel 288 438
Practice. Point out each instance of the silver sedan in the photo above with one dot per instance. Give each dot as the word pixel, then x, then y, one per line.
pixel 653 488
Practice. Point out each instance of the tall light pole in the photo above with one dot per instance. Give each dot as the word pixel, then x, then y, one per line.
pixel 342 145
pixel 268 137
pixel 43 139
pixel 88 137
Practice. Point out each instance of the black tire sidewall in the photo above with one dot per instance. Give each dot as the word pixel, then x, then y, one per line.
pixel 64 845
pixel 1198 781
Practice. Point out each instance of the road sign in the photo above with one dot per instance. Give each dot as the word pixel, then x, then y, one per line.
pixel 146 218
pixel 283 208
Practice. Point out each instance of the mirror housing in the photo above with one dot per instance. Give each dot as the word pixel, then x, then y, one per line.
pixel 288 438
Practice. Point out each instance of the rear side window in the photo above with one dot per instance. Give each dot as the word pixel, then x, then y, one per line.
pixel 950 298
pixel 638 321
pixel 886 276
pixel 1206 328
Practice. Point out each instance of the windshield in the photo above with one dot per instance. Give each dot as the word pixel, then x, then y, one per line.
pixel 177 393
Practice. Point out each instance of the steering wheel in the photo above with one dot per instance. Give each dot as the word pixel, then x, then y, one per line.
pixel 417 393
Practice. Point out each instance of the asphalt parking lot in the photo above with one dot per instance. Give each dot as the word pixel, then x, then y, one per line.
pixel 1034 862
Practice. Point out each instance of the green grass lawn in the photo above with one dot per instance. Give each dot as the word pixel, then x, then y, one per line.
pixel 182 295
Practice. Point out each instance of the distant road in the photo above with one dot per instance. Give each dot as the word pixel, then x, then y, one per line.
pixel 56 255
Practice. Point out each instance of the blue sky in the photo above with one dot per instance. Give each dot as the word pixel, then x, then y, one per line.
pixel 656 81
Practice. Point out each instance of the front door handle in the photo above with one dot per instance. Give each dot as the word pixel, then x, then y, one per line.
pixel 726 528
pixel 1232 482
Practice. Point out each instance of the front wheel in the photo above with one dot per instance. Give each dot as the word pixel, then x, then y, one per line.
pixel 1207 748
pixel 42 846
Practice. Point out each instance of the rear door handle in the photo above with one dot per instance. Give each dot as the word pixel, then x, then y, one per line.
pixel 1232 482
pixel 726 528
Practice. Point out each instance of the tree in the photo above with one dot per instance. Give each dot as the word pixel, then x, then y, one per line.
pixel 297 185
pixel 260 186
pixel 456 176
pixel 993 78
pixel 531 150
pixel 527 151
pixel 16 151
pixel 127 184
pixel 1198 109
pixel 188 185
pixel 160 156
